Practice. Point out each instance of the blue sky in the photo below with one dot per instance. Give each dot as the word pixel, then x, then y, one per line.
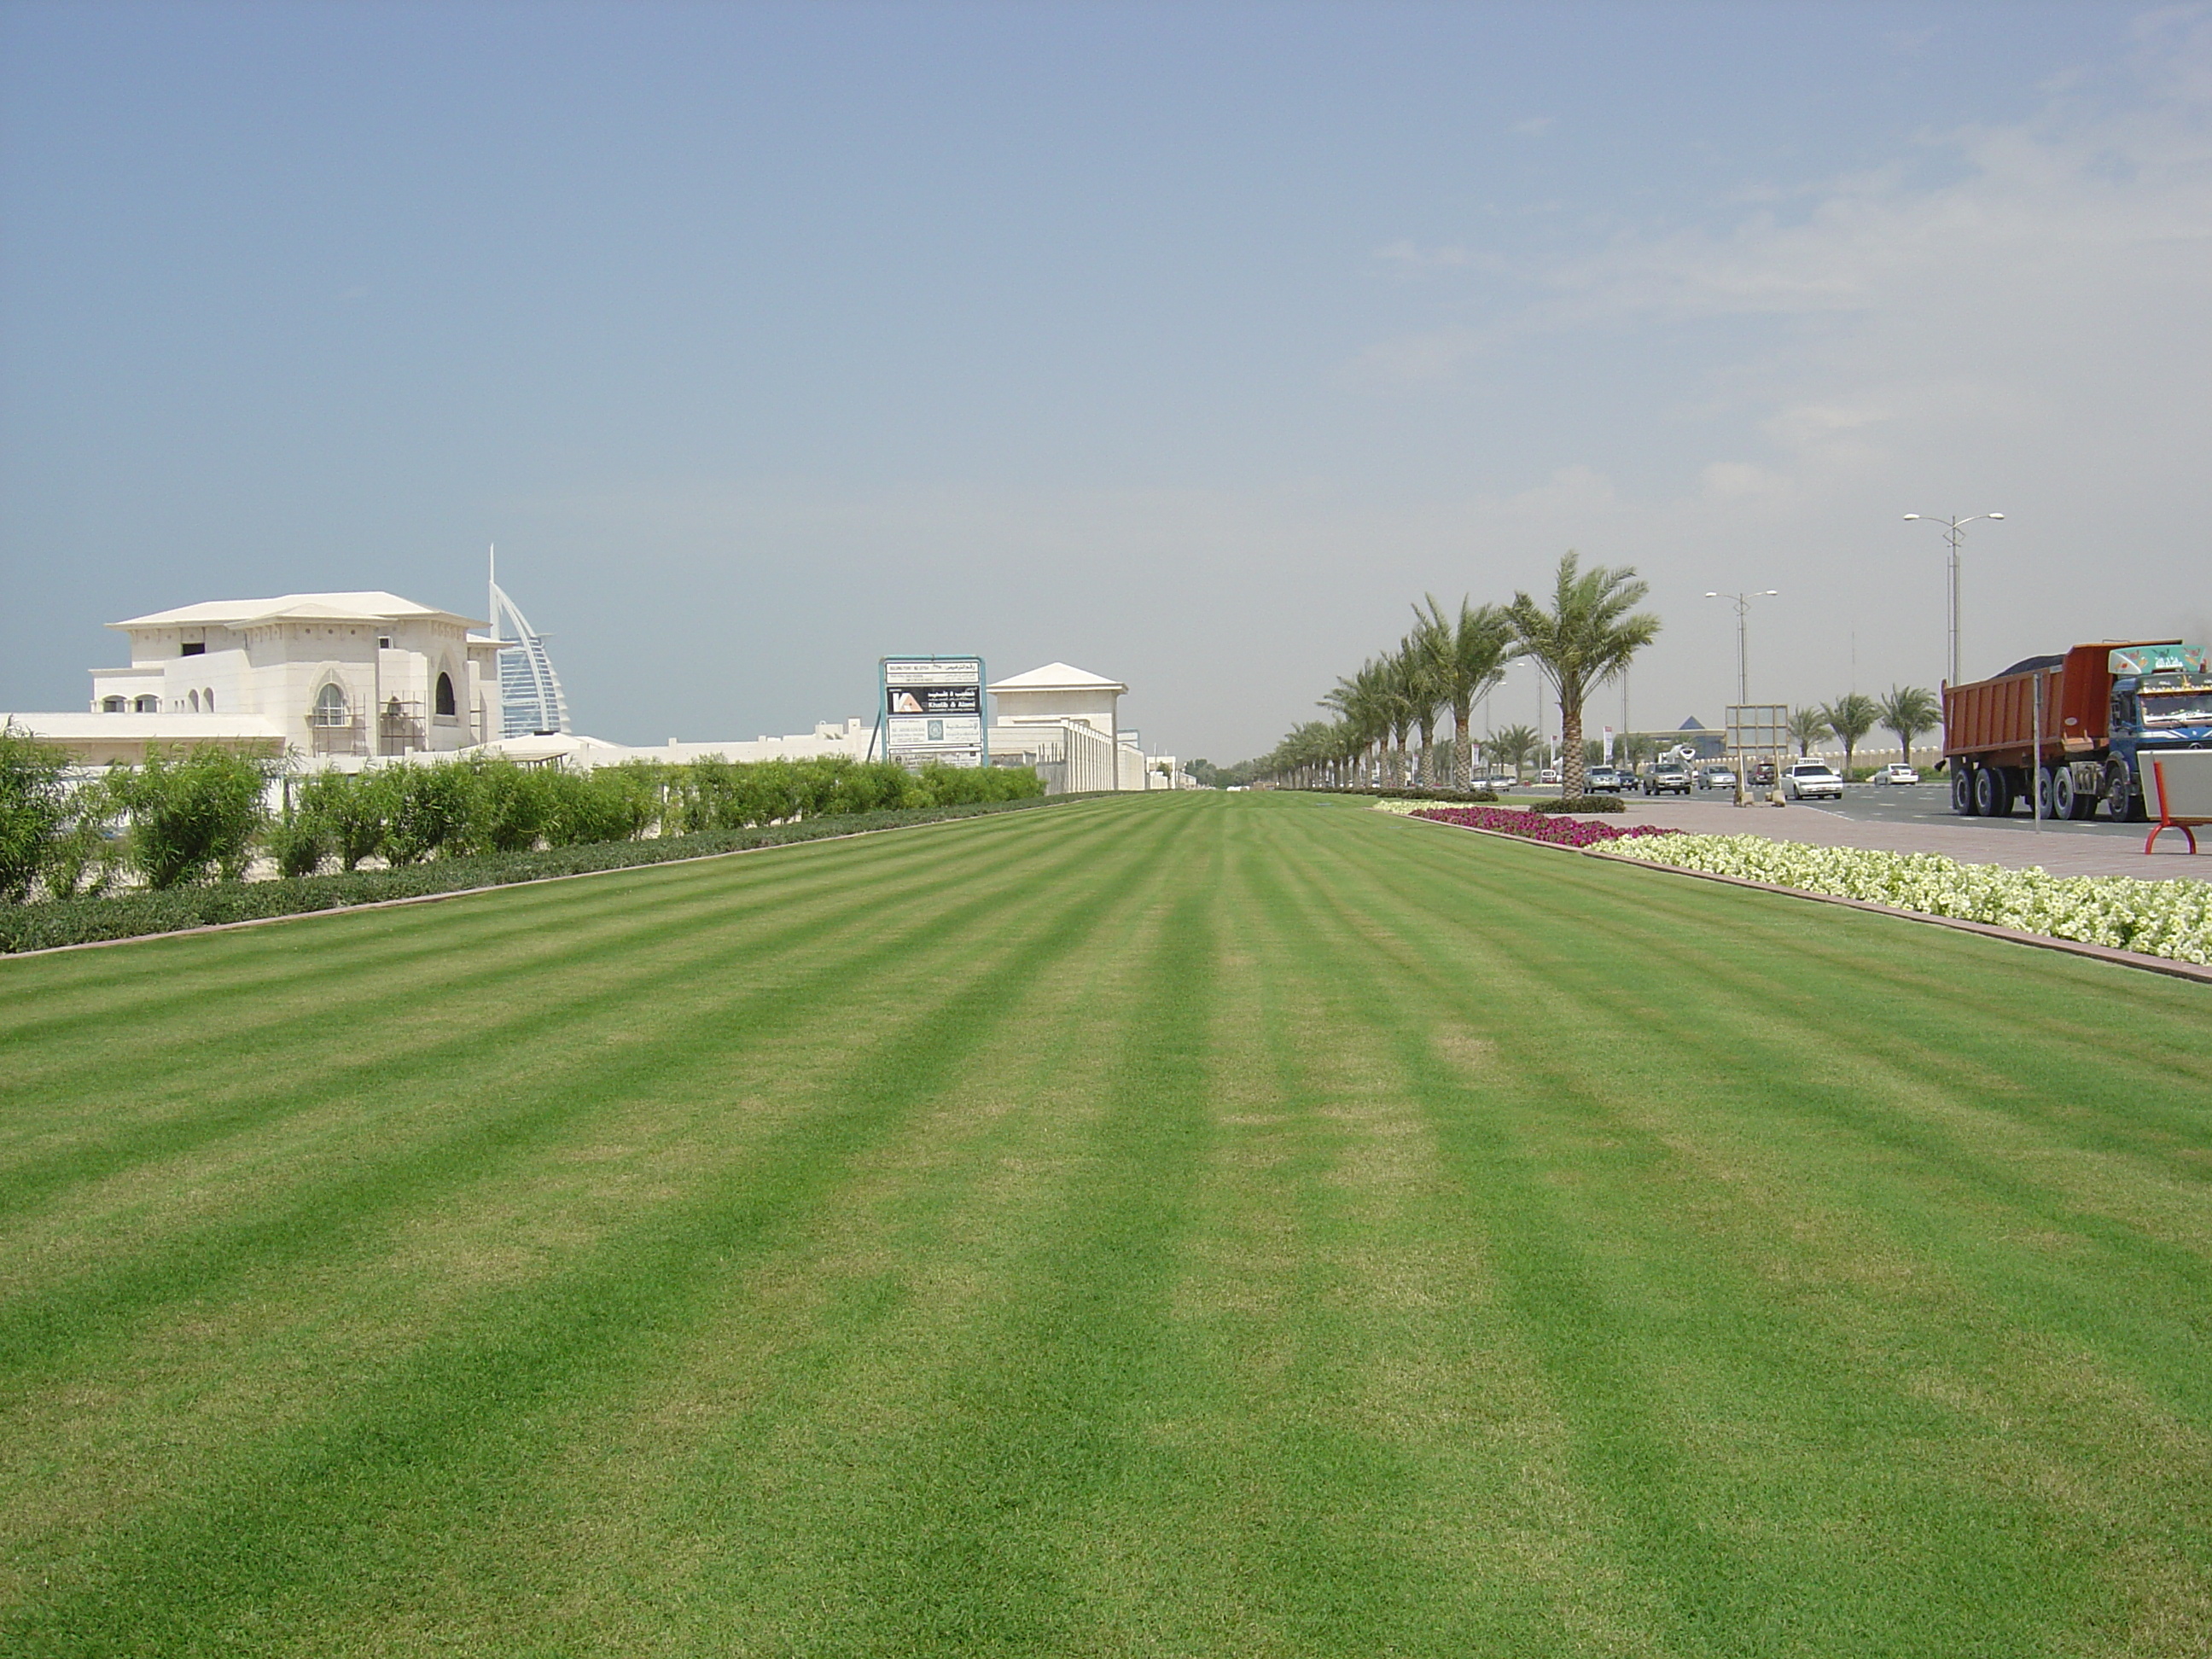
pixel 1187 343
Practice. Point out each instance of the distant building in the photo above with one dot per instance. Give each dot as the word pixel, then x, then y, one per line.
pixel 347 679
pixel 530 701
pixel 330 675
pixel 1066 722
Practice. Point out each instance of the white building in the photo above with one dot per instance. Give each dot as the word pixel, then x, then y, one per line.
pixel 331 675
pixel 853 740
pixel 1066 722
pixel 344 679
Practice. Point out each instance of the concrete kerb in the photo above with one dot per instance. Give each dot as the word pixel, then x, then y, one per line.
pixel 2166 965
pixel 507 886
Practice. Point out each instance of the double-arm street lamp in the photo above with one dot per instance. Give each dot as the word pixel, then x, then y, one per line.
pixel 1954 533
pixel 1742 602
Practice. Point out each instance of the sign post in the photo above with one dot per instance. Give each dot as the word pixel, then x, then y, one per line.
pixel 1761 729
pixel 931 710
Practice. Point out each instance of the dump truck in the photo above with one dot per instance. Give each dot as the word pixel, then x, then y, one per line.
pixel 2075 726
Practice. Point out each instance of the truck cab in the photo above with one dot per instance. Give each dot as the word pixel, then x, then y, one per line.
pixel 2161 699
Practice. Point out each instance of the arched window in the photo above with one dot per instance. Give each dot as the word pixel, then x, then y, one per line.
pixel 206 700
pixel 329 706
pixel 446 694
pixel 149 704
pixel 112 704
pixel 193 698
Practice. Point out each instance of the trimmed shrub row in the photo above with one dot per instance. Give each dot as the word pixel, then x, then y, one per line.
pixel 183 820
pixel 1580 803
pixel 129 915
pixel 1378 791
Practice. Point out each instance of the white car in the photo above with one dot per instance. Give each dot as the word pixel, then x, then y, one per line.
pixel 1897 772
pixel 1807 779
pixel 1501 780
pixel 1549 775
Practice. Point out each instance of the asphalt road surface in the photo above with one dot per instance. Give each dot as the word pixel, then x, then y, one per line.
pixel 1931 802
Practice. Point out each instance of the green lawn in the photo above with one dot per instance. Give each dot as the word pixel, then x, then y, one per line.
pixel 1212 1224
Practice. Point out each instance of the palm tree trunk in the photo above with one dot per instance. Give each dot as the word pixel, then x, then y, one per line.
pixel 1571 739
pixel 1462 757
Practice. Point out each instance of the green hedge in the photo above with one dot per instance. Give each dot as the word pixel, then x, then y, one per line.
pixel 135 914
pixel 1580 803
pixel 1377 791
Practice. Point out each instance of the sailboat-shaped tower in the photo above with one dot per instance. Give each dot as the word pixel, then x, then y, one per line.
pixel 530 700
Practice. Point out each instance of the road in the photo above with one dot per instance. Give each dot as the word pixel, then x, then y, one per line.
pixel 1931 802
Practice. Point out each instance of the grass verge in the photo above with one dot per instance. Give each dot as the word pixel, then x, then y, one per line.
pixel 1199 1224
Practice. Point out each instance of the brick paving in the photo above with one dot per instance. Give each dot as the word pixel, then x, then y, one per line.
pixel 2057 851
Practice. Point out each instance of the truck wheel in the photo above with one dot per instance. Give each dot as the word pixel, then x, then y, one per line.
pixel 2123 802
pixel 1992 792
pixel 1962 789
pixel 2066 801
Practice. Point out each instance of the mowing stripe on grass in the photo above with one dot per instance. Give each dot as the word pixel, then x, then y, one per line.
pixel 1187 1224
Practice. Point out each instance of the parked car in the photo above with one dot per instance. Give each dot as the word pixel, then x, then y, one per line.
pixel 1897 772
pixel 1668 778
pixel 1549 775
pixel 1602 779
pixel 1716 777
pixel 1807 778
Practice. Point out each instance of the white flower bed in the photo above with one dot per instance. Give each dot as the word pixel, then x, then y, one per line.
pixel 2156 918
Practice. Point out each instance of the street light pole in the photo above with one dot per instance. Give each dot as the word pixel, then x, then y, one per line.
pixel 1954 533
pixel 1742 602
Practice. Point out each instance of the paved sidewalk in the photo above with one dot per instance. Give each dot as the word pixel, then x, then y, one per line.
pixel 2018 849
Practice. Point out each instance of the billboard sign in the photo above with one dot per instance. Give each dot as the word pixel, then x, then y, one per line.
pixel 1758 728
pixel 933 709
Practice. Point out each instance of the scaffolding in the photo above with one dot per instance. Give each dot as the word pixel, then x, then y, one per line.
pixel 399 727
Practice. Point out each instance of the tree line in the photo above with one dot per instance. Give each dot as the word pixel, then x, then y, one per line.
pixel 1387 715
pixel 1907 710
pixel 209 814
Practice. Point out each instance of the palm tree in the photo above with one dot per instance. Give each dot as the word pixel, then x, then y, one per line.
pixel 1467 656
pixel 1395 692
pixel 1378 699
pixel 1422 680
pixel 1364 718
pixel 1303 754
pixel 1512 745
pixel 1850 718
pixel 1908 712
pixel 1808 726
pixel 1587 637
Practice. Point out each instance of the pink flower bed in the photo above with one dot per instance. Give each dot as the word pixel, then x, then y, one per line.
pixel 1535 826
